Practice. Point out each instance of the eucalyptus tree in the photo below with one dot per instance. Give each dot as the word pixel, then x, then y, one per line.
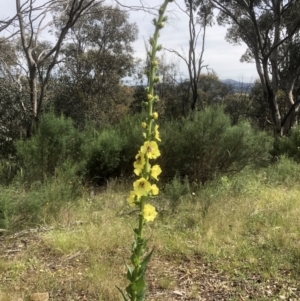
pixel 200 16
pixel 99 53
pixel 36 58
pixel 14 97
pixel 270 29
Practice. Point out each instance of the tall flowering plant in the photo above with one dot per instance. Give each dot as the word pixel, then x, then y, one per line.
pixel 147 173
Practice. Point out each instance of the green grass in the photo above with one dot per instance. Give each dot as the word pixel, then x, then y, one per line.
pixel 245 225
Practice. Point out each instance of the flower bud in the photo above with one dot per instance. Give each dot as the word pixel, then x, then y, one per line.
pixel 161 25
pixel 155 63
pixel 149 96
pixel 155 115
pixel 159 47
pixel 144 125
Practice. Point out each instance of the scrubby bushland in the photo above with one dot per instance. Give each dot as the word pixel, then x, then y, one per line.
pixel 110 151
pixel 95 154
pixel 207 144
pixel 59 158
pixel 200 147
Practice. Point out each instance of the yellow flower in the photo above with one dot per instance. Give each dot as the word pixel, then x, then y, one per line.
pixel 150 148
pixel 132 199
pixel 144 125
pixel 154 189
pixel 141 187
pixel 155 115
pixel 149 213
pixel 155 172
pixel 156 133
pixel 139 163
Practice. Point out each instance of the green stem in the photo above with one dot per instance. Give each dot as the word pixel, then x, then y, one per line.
pixel 153 67
pixel 139 248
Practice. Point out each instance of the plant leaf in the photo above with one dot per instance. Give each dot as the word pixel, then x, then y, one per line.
pixel 129 272
pixel 123 295
pixel 145 262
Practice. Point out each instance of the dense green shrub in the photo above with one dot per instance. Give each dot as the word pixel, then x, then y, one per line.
pixel 7 207
pixel 131 132
pixel 199 147
pixel 104 155
pixel 289 145
pixel 207 144
pixel 8 170
pixel 55 142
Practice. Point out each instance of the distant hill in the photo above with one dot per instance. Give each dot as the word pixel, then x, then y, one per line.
pixel 238 86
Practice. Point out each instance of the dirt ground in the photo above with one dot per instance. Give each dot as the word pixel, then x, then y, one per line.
pixel 182 278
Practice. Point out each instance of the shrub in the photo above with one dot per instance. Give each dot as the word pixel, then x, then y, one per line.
pixel 207 144
pixel 7 207
pixel 289 145
pixel 55 142
pixel 176 189
pixel 110 152
pixel 131 132
pixel 103 155
pixel 8 170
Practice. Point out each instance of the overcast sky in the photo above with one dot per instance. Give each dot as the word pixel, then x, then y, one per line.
pixel 219 55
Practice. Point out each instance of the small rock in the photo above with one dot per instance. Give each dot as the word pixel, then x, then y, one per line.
pixel 39 297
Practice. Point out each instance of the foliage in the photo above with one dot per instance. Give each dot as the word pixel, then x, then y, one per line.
pixel 139 95
pixel 103 156
pixel 33 64
pixel 8 170
pixel 13 101
pixel 213 146
pixel 176 189
pixel 7 207
pixel 271 32
pixel 285 171
pixel 129 129
pixel 211 90
pixel 42 202
pixel 290 145
pixel 55 142
pixel 238 106
pixel 100 55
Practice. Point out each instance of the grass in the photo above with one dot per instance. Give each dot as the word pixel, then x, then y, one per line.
pixel 244 226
